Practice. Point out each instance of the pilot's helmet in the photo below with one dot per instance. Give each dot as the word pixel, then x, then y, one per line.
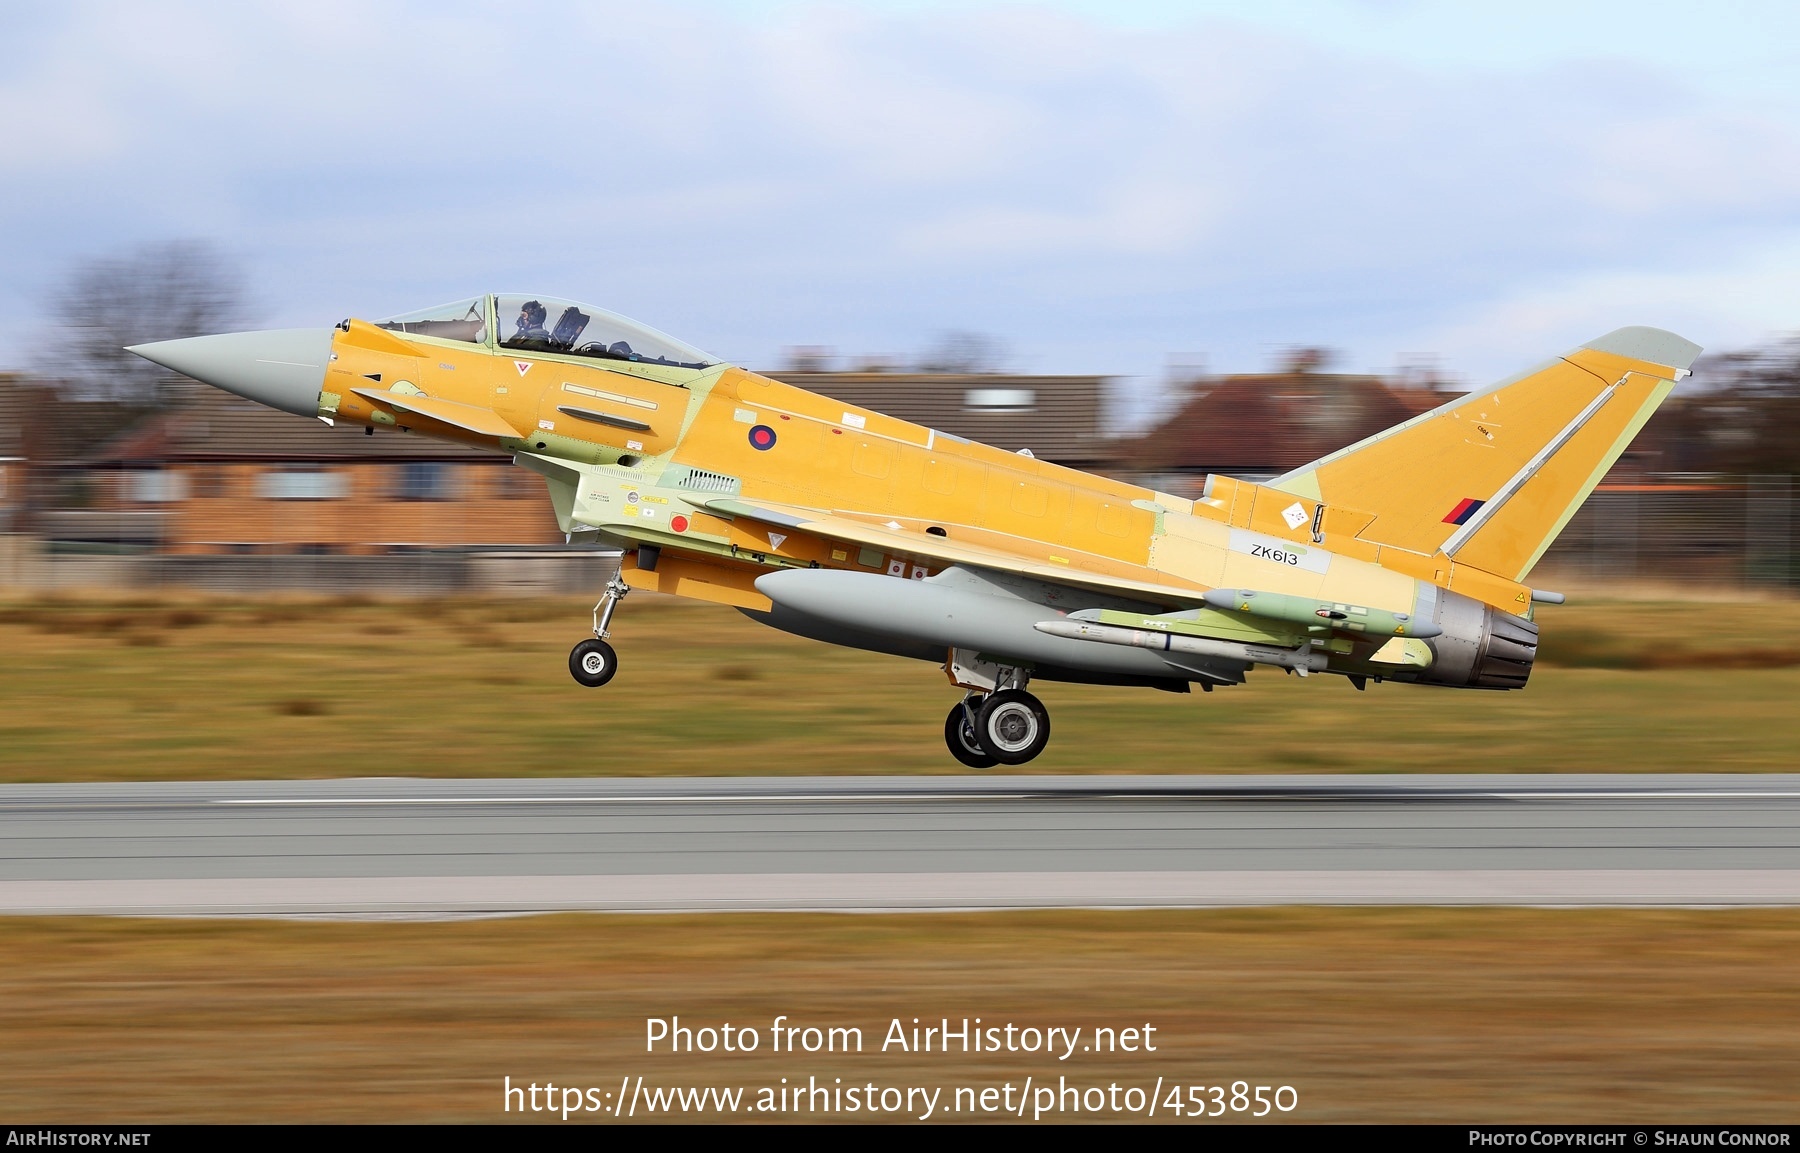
pixel 532 312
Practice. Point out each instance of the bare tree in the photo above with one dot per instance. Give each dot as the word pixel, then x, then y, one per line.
pixel 159 292
pixel 962 352
pixel 1771 369
pixel 1742 413
pixel 1301 359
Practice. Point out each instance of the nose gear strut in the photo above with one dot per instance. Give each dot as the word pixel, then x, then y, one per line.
pixel 593 662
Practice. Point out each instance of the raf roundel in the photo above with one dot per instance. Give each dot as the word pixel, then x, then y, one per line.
pixel 762 438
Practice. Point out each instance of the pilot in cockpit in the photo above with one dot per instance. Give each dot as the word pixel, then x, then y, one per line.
pixel 531 322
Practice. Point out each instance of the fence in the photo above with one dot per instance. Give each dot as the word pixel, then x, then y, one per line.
pixel 403 575
pixel 1732 530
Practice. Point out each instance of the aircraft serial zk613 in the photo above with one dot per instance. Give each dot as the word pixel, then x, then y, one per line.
pixel 1400 558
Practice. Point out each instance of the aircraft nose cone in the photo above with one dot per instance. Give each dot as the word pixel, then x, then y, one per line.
pixel 282 368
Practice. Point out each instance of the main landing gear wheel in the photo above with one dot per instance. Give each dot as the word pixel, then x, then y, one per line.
pixel 593 662
pixel 1012 726
pixel 959 734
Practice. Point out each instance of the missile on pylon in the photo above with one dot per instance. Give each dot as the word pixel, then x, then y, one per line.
pixel 1302 660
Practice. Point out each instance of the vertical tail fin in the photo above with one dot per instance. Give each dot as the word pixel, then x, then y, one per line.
pixel 1489 479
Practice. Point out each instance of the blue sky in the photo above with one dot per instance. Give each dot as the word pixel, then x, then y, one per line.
pixel 1102 187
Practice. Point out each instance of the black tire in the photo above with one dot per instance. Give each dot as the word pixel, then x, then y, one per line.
pixel 1013 726
pixel 959 734
pixel 593 662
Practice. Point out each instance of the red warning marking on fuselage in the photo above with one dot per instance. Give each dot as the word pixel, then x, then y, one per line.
pixel 524 366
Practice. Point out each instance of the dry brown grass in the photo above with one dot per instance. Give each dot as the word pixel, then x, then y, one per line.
pixel 1475 1015
pixel 96 689
pixel 1372 1014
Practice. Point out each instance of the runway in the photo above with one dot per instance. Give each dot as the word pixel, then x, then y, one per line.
pixel 442 848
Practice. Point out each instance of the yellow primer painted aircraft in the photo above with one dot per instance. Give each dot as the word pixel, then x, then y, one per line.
pixel 1401 558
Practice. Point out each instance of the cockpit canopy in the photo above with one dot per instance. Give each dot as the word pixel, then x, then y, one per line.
pixel 464 320
pixel 546 324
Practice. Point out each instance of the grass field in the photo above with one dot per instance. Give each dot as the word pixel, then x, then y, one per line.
pixel 189 688
pixel 1449 1015
pixel 1371 1014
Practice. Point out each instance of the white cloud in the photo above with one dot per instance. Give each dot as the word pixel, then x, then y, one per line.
pixel 1092 194
pixel 1728 305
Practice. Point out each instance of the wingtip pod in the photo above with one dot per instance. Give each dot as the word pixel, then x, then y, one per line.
pixel 1653 345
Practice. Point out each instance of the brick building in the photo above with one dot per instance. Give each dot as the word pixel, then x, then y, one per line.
pixel 217 474
pixel 12 454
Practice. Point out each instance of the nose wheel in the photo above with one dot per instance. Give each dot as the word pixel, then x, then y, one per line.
pixel 593 662
pixel 1008 727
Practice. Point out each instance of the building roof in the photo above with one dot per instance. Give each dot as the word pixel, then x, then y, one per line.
pixel 1262 426
pixel 1059 418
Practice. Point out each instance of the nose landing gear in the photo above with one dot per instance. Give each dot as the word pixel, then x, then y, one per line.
pixel 593 662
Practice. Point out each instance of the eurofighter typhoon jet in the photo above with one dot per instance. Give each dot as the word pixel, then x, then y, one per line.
pixel 1400 558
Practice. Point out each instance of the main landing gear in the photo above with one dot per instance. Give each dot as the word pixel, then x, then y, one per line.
pixel 593 662
pixel 1008 727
